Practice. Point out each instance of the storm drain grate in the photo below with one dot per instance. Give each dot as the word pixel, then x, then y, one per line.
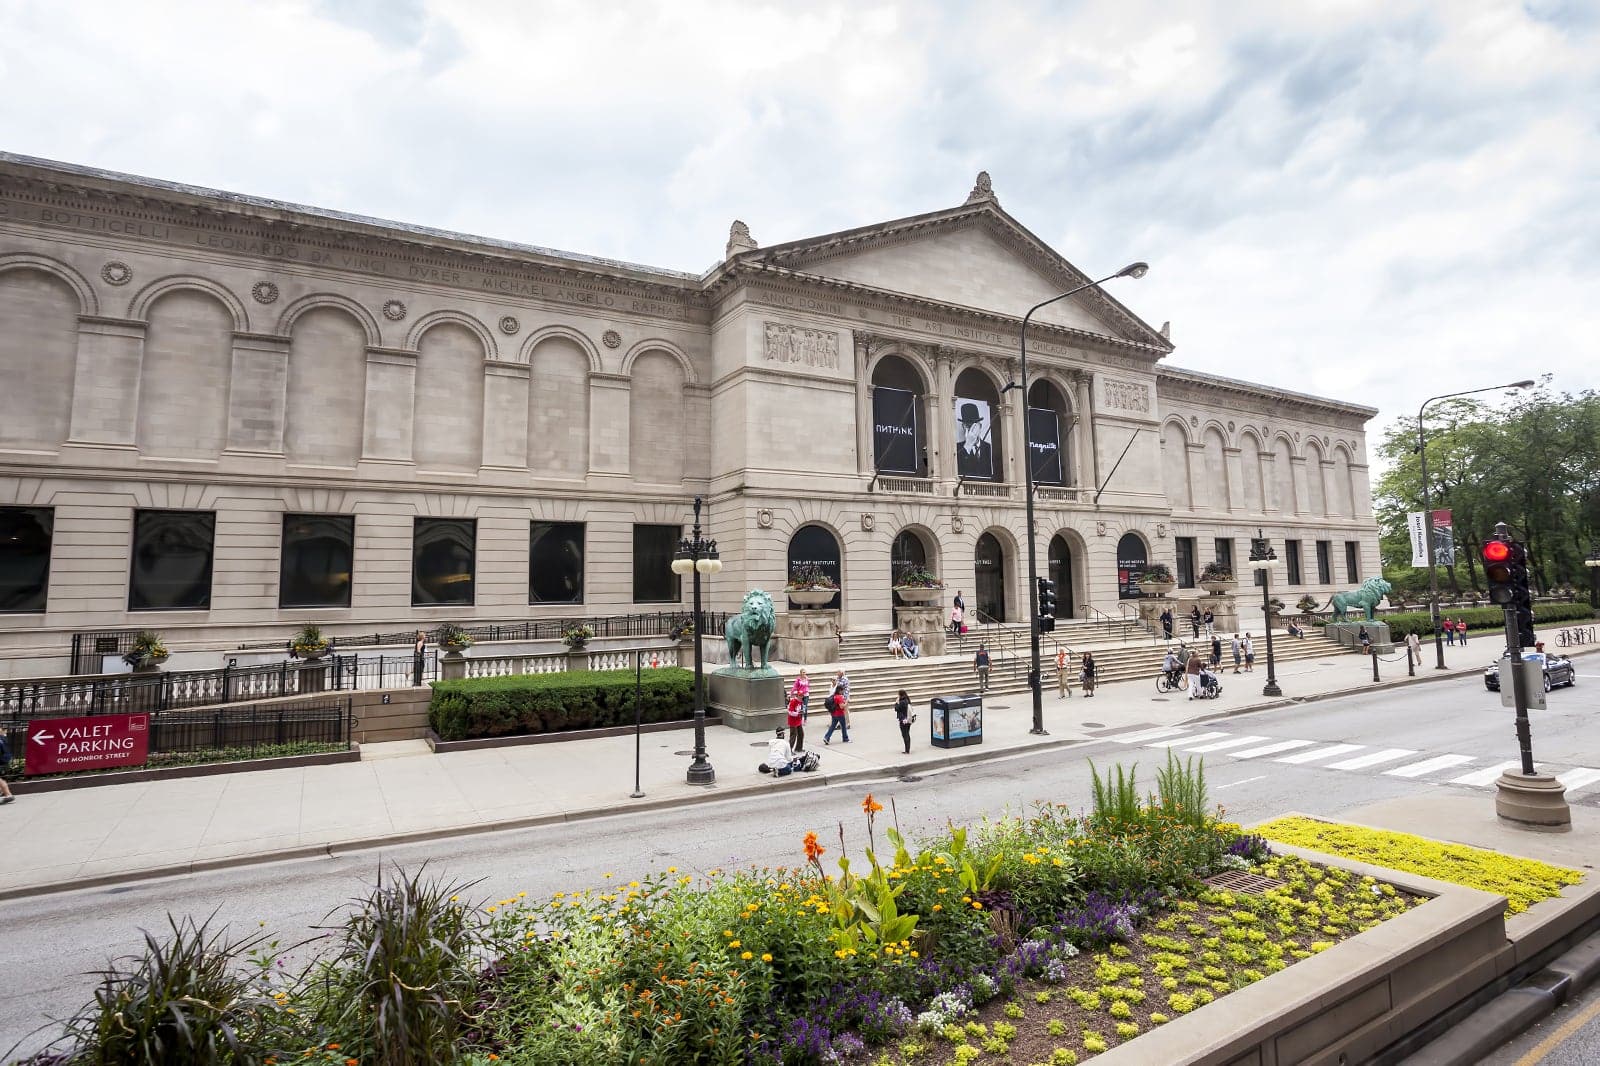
pixel 1240 881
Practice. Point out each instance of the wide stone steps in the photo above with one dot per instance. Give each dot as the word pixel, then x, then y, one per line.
pixel 875 684
pixel 862 645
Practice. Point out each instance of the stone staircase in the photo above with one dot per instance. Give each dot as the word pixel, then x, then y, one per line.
pixel 864 644
pixel 875 682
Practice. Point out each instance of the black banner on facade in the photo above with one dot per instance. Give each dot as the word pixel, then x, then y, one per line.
pixel 1044 446
pixel 1131 561
pixel 894 431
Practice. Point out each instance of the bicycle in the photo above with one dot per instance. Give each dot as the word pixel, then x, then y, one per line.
pixel 1165 682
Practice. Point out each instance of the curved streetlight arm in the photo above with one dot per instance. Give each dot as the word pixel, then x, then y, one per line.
pixel 1427 507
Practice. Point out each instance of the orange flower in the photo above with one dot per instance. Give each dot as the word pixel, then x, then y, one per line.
pixel 869 806
pixel 813 849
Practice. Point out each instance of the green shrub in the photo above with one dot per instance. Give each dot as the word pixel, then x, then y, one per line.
pixel 1405 622
pixel 553 703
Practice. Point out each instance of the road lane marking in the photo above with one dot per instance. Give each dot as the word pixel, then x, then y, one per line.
pixel 1236 742
pixel 1144 734
pixel 1578 777
pixel 1361 762
pixel 1272 749
pixel 1542 1049
pixel 1321 753
pixel 1480 778
pixel 1172 741
pixel 1428 766
pixel 1246 781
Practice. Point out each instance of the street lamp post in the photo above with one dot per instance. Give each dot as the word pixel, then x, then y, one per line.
pixel 1593 563
pixel 1262 560
pixel 1132 270
pixel 698 556
pixel 1427 509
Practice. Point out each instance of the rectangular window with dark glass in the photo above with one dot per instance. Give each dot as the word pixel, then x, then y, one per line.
pixel 444 558
pixel 171 566
pixel 653 579
pixel 1225 553
pixel 555 562
pixel 25 534
pixel 1324 562
pixel 1291 551
pixel 318 559
pixel 1352 561
pixel 1185 546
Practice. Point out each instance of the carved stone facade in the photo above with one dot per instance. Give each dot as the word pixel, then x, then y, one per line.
pixel 173 350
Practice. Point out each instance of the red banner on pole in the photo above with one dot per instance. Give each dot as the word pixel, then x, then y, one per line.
pixel 63 745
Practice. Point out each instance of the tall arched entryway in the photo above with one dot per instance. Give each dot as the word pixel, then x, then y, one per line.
pixel 1047 430
pixel 1132 558
pixel 907 555
pixel 814 547
pixel 1060 562
pixel 989 579
pixel 899 418
pixel 977 421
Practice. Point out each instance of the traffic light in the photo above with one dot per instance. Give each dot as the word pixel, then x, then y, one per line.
pixel 1522 596
pixel 1047 605
pixel 1500 570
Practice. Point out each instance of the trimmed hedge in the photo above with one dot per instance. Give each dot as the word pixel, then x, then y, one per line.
pixel 1403 623
pixel 553 703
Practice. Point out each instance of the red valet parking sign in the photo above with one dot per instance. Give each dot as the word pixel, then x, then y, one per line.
pixel 61 745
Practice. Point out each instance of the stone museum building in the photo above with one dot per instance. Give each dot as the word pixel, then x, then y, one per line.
pixel 223 417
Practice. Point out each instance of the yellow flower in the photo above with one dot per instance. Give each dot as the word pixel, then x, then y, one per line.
pixel 766 957
pixel 746 956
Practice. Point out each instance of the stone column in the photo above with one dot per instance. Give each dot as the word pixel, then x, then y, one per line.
pixel 1233 461
pixel 390 405
pixel 1202 496
pixel 1011 429
pixel 1089 464
pixel 257 393
pixel 505 414
pixel 1330 497
pixel 1297 464
pixel 105 390
pixel 608 407
pixel 1270 501
pixel 865 460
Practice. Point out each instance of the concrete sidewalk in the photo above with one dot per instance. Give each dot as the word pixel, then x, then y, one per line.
pixel 400 792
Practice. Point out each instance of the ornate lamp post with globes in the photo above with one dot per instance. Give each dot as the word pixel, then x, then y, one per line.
pixel 1263 559
pixel 698 556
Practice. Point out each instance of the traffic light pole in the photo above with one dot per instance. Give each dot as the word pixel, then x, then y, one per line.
pixel 1519 689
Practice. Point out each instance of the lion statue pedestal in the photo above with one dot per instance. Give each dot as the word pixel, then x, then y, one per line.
pixel 749 697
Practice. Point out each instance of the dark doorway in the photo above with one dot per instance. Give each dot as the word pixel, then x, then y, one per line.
pixel 1061 574
pixel 1131 561
pixel 989 580
pixel 814 547
pixel 907 553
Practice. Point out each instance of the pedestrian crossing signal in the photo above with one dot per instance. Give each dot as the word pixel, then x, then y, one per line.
pixel 1047 605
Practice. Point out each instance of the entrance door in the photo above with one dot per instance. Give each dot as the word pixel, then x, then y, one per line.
pixel 1061 574
pixel 989 573
pixel 907 553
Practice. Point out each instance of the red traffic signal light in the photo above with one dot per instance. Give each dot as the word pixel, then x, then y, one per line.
pixel 1496 551
pixel 1501 559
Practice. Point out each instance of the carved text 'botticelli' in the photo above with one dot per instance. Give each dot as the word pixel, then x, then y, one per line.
pixel 809 347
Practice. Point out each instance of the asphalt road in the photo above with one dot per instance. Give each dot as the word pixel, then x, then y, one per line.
pixel 51 942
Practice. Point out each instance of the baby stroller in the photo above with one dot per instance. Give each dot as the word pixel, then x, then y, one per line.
pixel 1210 688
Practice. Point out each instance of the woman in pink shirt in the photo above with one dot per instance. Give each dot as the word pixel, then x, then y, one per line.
pixel 802 688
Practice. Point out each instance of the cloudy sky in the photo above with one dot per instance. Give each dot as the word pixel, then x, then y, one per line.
pixel 1376 201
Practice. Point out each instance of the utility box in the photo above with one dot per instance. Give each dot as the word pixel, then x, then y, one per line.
pixel 955 721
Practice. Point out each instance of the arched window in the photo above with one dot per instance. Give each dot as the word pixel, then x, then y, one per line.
pixel 1175 466
pixel 183 384
pixel 1132 558
pixel 1048 426
pixel 39 349
pixel 814 548
pixel 449 399
pixel 326 390
pixel 908 559
pixel 977 415
pixel 1060 562
pixel 899 418
pixel 656 419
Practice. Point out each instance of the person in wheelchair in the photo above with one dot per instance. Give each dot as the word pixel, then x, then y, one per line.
pixel 1209 685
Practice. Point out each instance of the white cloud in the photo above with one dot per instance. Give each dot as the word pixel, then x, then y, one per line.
pixel 1375 200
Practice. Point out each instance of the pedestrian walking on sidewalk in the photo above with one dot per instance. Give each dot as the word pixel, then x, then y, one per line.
pixel 1063 678
pixel 1449 632
pixel 903 717
pixel 1414 648
pixel 1209 620
pixel 802 688
pixel 1238 652
pixel 1366 641
pixel 1086 673
pixel 980 663
pixel 795 719
pixel 1249 654
pixel 1166 623
pixel 1461 631
pixel 1192 668
pixel 838 710
pixel 1216 652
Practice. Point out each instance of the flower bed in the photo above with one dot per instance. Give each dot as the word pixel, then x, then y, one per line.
pixel 1047 939
pixel 1523 882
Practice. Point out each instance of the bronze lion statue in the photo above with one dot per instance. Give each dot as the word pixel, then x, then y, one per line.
pixel 1366 597
pixel 751 629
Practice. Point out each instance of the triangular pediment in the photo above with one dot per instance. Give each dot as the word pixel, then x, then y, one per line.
pixel 975 256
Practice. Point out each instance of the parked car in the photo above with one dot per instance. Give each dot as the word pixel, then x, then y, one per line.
pixel 1557 671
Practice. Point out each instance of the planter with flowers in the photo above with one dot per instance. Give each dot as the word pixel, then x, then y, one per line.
pixel 454 640
pixel 917 584
pixel 1156 580
pixel 810 586
pixel 577 638
pixel 1217 578
pixel 148 652
pixel 310 643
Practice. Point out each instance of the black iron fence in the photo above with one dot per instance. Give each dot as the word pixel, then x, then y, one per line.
pixel 658 623
pixel 142 693
pixel 243 727
pixel 89 649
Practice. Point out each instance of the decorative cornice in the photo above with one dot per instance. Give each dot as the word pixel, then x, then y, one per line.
pixel 1201 382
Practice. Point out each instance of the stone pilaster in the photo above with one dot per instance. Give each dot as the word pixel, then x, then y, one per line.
pixel 505 415
pixel 105 391
pixel 390 405
pixel 257 393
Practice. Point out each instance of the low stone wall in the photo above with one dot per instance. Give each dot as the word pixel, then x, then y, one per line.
pixel 391 714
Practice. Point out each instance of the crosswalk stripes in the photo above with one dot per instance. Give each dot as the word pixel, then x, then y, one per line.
pixel 1361 762
pixel 1350 757
pixel 1428 766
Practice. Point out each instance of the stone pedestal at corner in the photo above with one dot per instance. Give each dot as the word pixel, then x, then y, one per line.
pixel 1348 634
pixel 1224 610
pixel 452 666
pixel 1533 801
pixel 1150 608
pixel 926 625
pixel 809 637
pixel 750 701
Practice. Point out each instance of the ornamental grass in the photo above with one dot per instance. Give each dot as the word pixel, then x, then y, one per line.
pixel 1523 882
